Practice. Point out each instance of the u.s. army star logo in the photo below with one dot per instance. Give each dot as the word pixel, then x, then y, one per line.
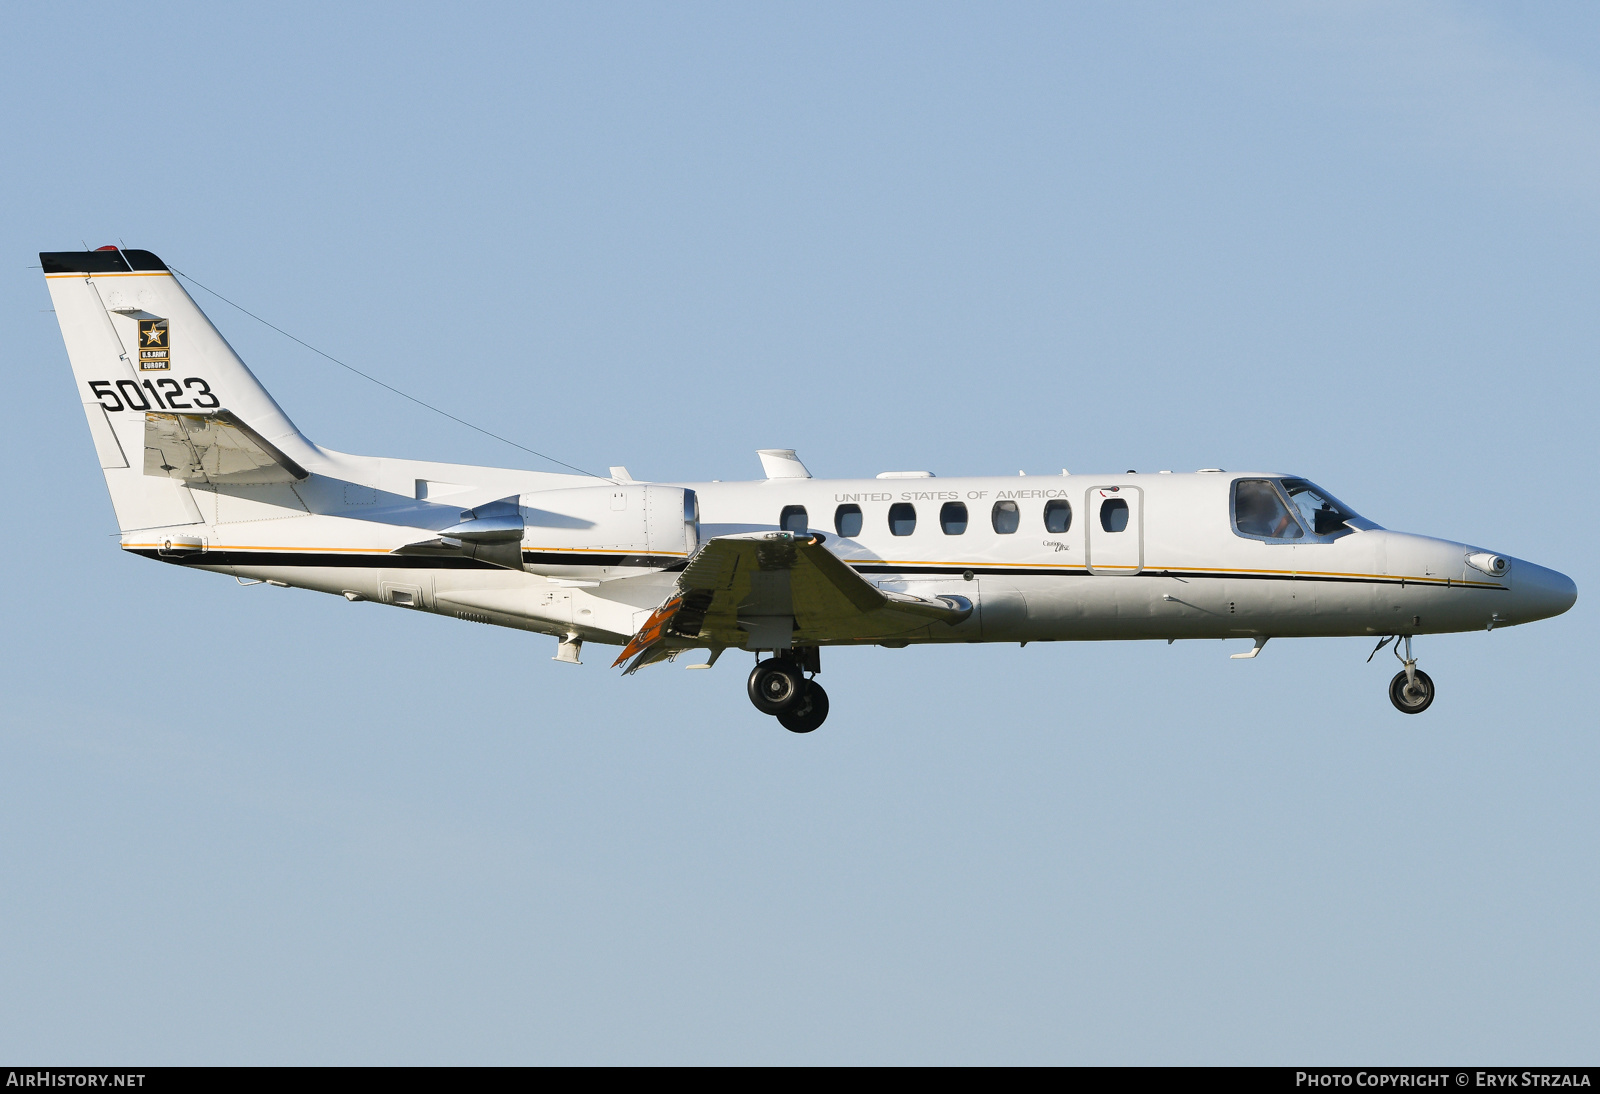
pixel 154 354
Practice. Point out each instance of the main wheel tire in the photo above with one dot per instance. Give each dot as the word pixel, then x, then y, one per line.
pixel 776 685
pixel 809 713
pixel 1408 700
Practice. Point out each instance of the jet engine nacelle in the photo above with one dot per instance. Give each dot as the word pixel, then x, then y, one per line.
pixel 631 525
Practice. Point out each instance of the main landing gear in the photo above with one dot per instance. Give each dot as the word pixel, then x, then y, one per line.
pixel 1411 690
pixel 779 686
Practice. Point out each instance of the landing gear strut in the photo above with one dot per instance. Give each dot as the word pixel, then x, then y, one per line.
pixel 1411 690
pixel 779 686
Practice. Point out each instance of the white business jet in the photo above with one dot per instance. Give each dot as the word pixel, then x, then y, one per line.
pixel 205 471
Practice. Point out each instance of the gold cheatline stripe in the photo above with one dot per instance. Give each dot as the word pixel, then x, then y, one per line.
pixel 1190 569
pixel 1333 573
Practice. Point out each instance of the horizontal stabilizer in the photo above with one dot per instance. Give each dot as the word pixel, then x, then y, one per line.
pixel 215 448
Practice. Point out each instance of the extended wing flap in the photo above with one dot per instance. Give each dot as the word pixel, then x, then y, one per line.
pixel 737 588
pixel 215 448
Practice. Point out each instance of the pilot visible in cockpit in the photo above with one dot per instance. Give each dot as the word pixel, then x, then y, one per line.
pixel 1259 511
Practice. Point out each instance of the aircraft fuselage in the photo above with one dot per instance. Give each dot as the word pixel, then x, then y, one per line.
pixel 1176 569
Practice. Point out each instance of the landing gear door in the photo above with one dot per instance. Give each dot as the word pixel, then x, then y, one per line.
pixel 1115 516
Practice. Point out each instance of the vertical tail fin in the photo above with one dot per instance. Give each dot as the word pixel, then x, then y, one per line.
pixel 138 343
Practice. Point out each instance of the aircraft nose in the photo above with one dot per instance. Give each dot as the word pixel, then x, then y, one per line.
pixel 1541 593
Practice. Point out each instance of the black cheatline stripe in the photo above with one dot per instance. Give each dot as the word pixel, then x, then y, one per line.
pixel 401 562
pixel 573 558
pixel 977 571
pixel 314 559
pixel 1026 571
pixel 1336 579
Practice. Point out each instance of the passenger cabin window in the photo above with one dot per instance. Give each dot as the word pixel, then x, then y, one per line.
pixel 953 518
pixel 847 521
pixel 902 518
pixel 793 518
pixel 1114 515
pixel 1319 510
pixel 1057 516
pixel 1005 516
pixel 1260 512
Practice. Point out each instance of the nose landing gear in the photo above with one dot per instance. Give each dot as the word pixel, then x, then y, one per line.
pixel 779 686
pixel 1411 690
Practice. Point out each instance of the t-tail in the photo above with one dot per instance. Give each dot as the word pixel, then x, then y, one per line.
pixel 168 401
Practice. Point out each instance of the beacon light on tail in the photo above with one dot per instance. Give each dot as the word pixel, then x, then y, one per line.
pixel 206 471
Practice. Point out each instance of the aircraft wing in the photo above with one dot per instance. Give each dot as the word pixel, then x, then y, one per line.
pixel 215 448
pixel 774 590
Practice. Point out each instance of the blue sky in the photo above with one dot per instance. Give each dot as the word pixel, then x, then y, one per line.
pixel 1354 242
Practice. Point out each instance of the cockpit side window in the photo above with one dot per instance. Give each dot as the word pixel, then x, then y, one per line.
pixel 1260 512
pixel 1319 510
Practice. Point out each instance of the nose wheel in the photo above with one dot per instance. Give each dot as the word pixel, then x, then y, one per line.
pixel 1411 690
pixel 778 686
pixel 1411 694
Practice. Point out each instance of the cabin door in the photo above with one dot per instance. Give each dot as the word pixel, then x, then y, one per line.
pixel 1115 516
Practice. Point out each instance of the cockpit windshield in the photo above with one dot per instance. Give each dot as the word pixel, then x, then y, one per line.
pixel 1318 510
pixel 1283 510
pixel 1259 512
